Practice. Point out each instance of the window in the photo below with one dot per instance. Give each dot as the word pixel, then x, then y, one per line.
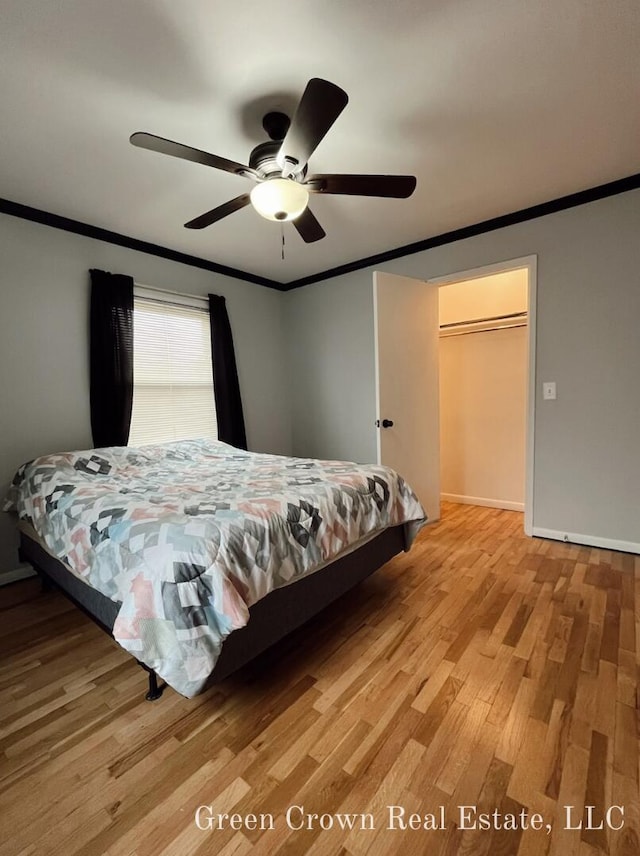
pixel 172 376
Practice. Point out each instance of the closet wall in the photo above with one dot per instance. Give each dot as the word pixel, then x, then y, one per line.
pixel 483 390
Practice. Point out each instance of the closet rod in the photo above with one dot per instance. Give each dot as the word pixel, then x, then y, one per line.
pixel 522 315
pixel 447 335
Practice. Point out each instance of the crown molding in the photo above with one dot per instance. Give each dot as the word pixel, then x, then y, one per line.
pixel 612 188
pixel 56 221
pixel 582 197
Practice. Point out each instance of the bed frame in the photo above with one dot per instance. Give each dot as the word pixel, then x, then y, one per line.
pixel 271 618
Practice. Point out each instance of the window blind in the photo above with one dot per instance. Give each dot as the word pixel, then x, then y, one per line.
pixel 172 375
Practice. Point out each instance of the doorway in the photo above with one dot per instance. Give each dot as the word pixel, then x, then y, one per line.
pixel 487 389
pixel 407 344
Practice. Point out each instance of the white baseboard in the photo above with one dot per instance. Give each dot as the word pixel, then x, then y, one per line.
pixel 588 540
pixel 21 573
pixel 483 500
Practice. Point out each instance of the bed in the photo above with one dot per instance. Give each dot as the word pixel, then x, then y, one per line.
pixel 197 556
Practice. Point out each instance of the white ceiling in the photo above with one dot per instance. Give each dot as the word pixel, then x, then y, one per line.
pixel 493 105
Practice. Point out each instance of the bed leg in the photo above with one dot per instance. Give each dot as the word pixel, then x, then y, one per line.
pixel 155 689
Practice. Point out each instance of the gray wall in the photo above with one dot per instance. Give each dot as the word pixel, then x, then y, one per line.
pixel 587 443
pixel 330 332
pixel 305 358
pixel 44 369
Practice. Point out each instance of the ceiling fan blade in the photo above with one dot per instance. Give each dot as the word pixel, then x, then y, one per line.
pixel 320 105
pixel 391 186
pixel 218 213
pixel 178 150
pixel 308 227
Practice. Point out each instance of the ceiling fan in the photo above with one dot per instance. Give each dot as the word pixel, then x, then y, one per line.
pixel 279 166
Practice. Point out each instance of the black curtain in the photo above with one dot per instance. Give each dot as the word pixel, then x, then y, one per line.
pixel 111 358
pixel 226 388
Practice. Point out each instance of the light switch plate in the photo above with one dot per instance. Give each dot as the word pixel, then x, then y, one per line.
pixel 549 390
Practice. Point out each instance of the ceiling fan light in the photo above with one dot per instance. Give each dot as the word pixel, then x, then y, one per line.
pixel 279 199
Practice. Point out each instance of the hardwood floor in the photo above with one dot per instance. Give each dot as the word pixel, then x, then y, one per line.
pixel 482 669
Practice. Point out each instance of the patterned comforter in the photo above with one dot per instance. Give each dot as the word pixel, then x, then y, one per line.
pixel 188 535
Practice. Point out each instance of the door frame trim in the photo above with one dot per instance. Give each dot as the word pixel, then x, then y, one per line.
pixel 530 263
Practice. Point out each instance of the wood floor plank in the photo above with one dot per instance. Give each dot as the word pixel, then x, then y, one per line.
pixel 484 668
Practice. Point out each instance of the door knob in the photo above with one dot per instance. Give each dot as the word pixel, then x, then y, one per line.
pixel 386 423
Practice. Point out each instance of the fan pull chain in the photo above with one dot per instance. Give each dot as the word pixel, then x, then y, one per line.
pixel 282 231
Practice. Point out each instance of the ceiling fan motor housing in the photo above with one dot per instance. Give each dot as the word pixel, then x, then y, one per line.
pixel 264 157
pixel 263 160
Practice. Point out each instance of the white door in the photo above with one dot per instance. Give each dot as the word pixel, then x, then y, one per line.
pixel 407 383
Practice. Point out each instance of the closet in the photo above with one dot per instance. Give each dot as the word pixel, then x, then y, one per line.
pixel 483 390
